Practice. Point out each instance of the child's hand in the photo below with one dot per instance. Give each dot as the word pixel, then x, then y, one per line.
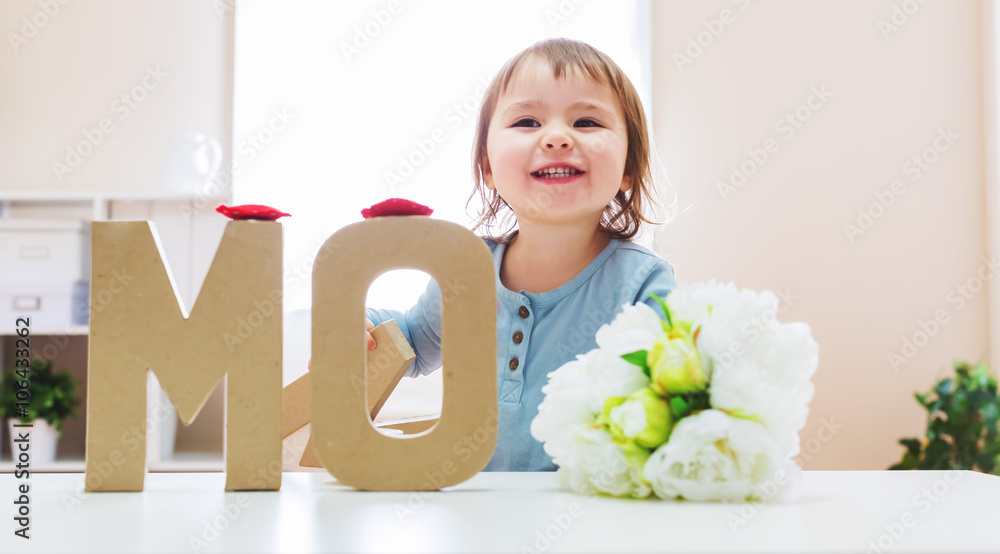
pixel 368 335
pixel 370 340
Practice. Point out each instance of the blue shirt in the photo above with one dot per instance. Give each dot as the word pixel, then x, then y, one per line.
pixel 541 331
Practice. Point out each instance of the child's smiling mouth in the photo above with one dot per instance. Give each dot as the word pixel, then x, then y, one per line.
pixel 557 174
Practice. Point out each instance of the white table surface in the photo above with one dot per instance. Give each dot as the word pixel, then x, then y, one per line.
pixel 839 511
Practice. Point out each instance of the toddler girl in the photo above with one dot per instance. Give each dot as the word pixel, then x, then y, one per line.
pixel 562 147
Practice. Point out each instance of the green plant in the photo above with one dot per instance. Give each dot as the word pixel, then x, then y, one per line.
pixel 962 416
pixel 53 395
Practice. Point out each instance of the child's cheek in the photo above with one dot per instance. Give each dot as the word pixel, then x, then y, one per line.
pixel 605 143
pixel 595 148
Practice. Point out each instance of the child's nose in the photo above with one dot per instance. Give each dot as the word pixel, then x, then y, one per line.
pixel 556 136
pixel 557 140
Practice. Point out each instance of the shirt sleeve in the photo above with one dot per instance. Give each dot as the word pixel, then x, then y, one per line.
pixel 661 281
pixel 421 325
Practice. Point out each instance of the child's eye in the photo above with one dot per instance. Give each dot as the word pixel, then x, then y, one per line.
pixel 586 123
pixel 526 122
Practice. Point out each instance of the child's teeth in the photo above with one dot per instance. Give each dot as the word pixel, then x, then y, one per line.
pixel 557 172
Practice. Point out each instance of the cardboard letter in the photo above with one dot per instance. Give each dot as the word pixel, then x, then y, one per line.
pixel 142 327
pixel 345 442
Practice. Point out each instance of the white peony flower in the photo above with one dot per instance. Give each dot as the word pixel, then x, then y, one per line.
pixel 559 415
pixel 771 382
pixel 566 406
pixel 728 318
pixel 636 328
pixel 744 388
pixel 606 374
pixel 786 485
pixel 712 456
pixel 756 365
pixel 788 351
pixel 631 417
pixel 596 464
pixel 691 302
pixel 575 394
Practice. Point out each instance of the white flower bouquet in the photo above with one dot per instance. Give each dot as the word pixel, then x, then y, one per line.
pixel 704 405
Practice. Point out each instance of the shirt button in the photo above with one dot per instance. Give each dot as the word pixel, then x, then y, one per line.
pixel 518 337
pixel 513 364
pixel 523 312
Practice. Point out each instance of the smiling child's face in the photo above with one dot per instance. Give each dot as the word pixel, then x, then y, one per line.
pixel 556 148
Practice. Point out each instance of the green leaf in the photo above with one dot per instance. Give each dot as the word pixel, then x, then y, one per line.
pixel 934 406
pixel 992 449
pixel 679 407
pixel 991 412
pixel 936 428
pixel 986 463
pixel 52 398
pixel 962 371
pixel 638 358
pixel 937 450
pixel 699 400
pixel 982 375
pixel 912 446
pixel 666 310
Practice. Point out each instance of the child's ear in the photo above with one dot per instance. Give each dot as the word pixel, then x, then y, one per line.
pixel 626 183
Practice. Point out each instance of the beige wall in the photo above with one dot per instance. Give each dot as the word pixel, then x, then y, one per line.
pixel 67 72
pixel 784 228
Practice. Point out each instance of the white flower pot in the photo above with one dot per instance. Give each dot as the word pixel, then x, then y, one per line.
pixel 42 439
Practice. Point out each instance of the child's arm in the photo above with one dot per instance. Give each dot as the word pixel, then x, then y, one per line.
pixel 421 325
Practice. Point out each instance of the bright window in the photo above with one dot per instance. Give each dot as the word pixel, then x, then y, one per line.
pixel 339 105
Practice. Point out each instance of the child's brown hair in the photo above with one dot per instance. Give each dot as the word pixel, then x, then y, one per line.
pixel 624 214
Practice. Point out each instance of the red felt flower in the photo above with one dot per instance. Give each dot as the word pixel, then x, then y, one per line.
pixel 395 206
pixel 251 211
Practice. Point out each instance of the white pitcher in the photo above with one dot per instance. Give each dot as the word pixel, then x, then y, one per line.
pixel 192 159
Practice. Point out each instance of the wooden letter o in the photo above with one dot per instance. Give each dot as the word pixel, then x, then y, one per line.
pixel 462 442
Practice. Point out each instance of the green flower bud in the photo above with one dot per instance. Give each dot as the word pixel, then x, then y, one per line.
pixel 604 418
pixel 674 363
pixel 643 417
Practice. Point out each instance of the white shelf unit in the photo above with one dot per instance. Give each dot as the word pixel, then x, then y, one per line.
pixel 189 261
pixel 100 202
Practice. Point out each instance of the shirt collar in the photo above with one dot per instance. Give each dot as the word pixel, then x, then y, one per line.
pixel 555 294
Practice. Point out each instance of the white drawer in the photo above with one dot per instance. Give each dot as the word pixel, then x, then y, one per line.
pixel 49 305
pixel 50 251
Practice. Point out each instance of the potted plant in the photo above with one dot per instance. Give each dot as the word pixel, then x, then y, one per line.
pixel 52 400
pixel 962 416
